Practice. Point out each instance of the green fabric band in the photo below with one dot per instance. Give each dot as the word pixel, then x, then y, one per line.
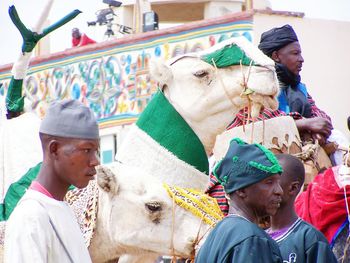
pixel 14 98
pixel 16 191
pixel 229 55
pixel 166 126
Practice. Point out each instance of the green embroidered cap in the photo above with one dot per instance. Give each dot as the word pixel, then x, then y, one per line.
pixel 245 164
pixel 235 51
pixel 226 56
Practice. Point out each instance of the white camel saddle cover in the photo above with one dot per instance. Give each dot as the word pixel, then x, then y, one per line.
pixel 279 134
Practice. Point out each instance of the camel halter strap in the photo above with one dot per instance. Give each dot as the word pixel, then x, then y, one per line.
pixel 246 91
pixel 172 248
pixel 195 243
pixel 199 204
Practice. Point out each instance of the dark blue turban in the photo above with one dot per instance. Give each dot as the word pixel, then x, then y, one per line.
pixel 277 38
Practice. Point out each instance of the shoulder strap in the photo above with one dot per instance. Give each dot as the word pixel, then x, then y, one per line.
pixel 59 238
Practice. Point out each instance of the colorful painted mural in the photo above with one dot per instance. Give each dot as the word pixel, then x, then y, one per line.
pixel 113 78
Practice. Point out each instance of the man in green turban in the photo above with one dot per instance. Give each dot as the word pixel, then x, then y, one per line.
pixel 250 175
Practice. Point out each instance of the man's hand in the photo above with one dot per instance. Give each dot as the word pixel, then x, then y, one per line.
pixel 318 126
pixel 320 138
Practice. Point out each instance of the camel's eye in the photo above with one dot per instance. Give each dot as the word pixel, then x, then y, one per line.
pixel 201 73
pixel 154 206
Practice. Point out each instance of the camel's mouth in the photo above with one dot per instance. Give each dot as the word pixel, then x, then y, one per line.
pixel 186 255
pixel 259 102
pixel 186 252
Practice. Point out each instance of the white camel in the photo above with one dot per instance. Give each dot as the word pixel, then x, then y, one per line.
pixel 206 98
pixel 127 211
pixel 136 216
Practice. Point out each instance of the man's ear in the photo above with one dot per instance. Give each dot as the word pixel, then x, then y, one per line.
pixel 241 193
pixel 275 57
pixel 53 147
pixel 294 188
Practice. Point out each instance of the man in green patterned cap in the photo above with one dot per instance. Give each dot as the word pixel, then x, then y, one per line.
pixel 250 175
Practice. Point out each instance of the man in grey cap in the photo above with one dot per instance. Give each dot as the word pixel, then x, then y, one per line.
pixel 42 228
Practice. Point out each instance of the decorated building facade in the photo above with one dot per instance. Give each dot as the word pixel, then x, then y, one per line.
pixel 112 77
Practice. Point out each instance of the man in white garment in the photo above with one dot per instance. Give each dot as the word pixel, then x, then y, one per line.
pixel 42 228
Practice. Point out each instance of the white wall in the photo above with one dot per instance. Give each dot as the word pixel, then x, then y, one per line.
pixel 110 140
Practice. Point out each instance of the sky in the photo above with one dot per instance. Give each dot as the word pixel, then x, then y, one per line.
pixel 29 10
pixel 61 38
pixel 324 9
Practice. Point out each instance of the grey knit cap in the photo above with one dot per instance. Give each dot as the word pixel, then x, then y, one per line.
pixel 70 119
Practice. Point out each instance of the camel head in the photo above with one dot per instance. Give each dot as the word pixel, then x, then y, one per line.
pixel 136 216
pixel 209 88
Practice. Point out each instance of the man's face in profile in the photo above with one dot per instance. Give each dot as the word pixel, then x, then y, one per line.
pixel 264 197
pixel 291 57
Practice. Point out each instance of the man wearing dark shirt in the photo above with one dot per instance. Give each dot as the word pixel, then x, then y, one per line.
pixel 298 241
pixel 250 175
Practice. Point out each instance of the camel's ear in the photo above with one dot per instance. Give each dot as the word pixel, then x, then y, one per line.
pixel 107 180
pixel 161 72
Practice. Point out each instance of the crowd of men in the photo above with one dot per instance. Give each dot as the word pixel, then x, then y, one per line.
pixel 250 182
